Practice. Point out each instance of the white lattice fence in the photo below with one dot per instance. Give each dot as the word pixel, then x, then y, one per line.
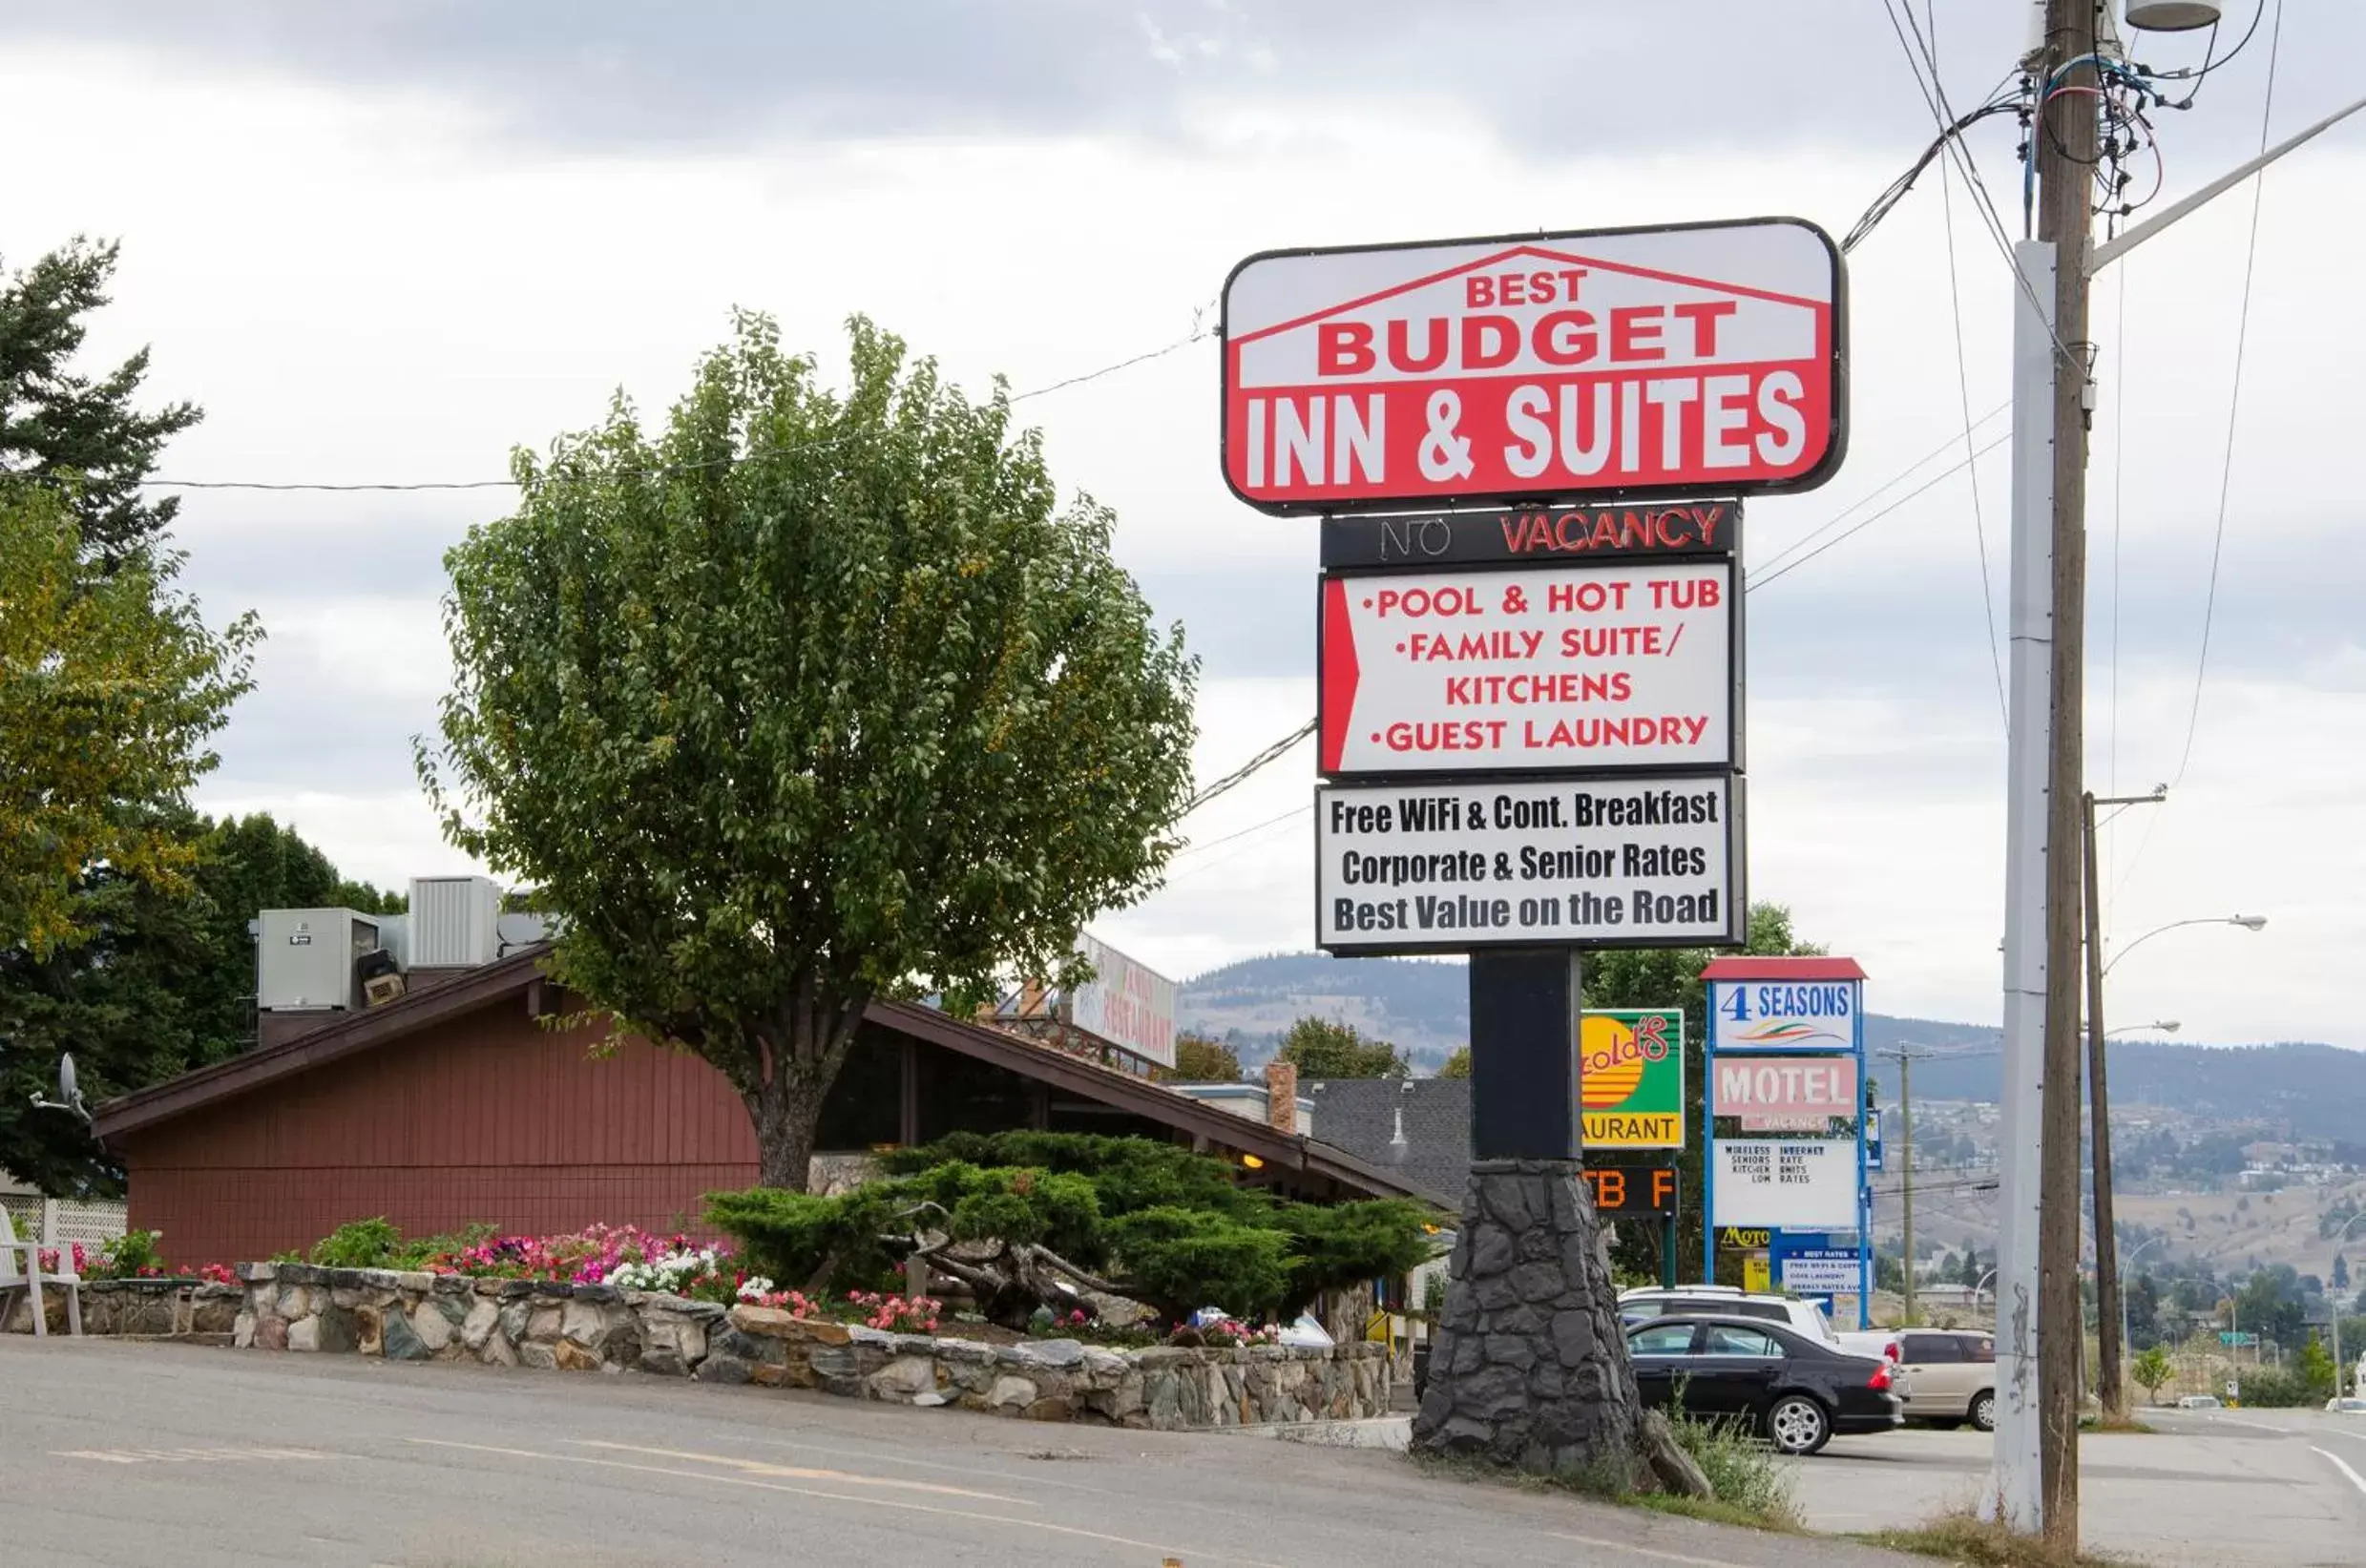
pixel 66 1219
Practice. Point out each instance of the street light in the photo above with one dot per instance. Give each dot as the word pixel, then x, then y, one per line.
pixel 2249 922
pixel 2337 1241
pixel 2166 1026
pixel 2125 1264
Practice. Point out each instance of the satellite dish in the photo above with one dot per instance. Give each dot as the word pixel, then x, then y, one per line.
pixel 65 1079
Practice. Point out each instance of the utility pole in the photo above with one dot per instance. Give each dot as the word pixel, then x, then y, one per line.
pixel 2111 1385
pixel 2064 143
pixel 1906 1164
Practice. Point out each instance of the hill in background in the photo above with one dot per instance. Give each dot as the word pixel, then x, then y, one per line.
pixel 1423 1005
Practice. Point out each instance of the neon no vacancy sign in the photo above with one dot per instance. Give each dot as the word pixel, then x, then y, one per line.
pixel 1700 360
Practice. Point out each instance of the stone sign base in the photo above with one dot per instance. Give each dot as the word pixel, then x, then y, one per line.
pixel 1530 1367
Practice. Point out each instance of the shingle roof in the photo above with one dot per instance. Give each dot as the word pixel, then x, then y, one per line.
pixel 520 973
pixel 1362 1116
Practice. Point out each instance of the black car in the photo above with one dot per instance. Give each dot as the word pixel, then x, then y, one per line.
pixel 1798 1391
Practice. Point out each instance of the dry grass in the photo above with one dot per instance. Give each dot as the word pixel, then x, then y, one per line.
pixel 1962 1539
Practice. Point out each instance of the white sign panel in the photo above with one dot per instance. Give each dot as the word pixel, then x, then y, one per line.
pixel 1599 862
pixel 1593 667
pixel 1784 1015
pixel 1691 360
pixel 1806 1183
pixel 1784 1094
pixel 1831 1272
pixel 1125 1003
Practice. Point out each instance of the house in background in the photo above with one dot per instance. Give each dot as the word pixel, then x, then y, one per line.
pixel 450 1101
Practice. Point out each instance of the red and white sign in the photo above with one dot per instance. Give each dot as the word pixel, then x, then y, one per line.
pixel 1568 668
pixel 1689 361
pixel 1126 1003
pixel 1784 1094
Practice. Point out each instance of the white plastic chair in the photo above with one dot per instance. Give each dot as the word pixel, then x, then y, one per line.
pixel 20 1269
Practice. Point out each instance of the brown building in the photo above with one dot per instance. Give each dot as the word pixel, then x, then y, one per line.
pixel 455 1104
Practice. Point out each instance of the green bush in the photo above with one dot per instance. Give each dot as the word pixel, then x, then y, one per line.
pixel 1743 1471
pixel 1328 1244
pixel 1179 1260
pixel 128 1256
pixel 1176 1227
pixel 2278 1388
pixel 359 1244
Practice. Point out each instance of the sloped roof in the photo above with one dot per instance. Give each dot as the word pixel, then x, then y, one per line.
pixel 519 976
pixel 1363 1117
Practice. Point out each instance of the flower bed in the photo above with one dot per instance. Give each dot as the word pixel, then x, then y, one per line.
pixel 604 1326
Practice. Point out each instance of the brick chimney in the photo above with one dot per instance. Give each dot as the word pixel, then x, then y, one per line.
pixel 1282 1097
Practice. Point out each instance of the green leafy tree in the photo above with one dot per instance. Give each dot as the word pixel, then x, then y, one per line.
pixel 1457 1065
pixel 1671 977
pixel 806 699
pixel 1320 1048
pixel 2341 1272
pixel 2151 1368
pixel 80 433
pixel 1199 1059
pixel 110 690
pixel 2314 1364
pixel 1971 1273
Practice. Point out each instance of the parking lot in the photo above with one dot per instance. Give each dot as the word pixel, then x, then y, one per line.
pixel 2231 1487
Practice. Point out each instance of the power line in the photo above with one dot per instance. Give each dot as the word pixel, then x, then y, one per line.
pixel 1760 578
pixel 1935 98
pixel 1271 754
pixel 1868 497
pixel 1258 827
pixel 1241 848
pixel 1200 332
pixel 1963 392
pixel 2234 398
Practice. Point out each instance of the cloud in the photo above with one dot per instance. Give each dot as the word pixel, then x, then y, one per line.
pixel 1546 77
pixel 378 248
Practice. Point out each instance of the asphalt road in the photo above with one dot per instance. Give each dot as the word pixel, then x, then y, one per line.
pixel 2223 1487
pixel 142 1454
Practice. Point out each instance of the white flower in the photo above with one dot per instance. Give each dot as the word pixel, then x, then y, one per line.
pixel 752 1288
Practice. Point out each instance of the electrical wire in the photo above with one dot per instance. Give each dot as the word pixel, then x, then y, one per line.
pixel 1871 496
pixel 1963 391
pixel 1933 98
pixel 1258 827
pixel 1271 754
pixel 1200 332
pixel 1761 577
pixel 2234 400
pixel 1239 849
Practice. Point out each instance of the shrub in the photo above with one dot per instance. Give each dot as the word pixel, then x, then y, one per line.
pixel 1179 1260
pixel 1381 1239
pixel 359 1244
pixel 2278 1388
pixel 1743 1472
pixel 1176 1228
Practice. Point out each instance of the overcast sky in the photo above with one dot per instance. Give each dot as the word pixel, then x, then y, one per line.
pixel 387 243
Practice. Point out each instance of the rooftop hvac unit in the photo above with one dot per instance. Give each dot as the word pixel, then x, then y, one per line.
pixel 305 958
pixel 454 922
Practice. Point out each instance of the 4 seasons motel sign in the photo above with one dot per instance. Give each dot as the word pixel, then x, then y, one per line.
pixel 1700 360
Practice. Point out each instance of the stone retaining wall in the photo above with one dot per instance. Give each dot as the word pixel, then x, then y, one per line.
pixel 596 1327
pixel 154 1308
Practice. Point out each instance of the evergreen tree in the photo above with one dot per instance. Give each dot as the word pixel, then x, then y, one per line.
pixel 79 433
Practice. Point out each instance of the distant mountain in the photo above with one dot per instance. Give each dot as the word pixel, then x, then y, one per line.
pixel 1424 1005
